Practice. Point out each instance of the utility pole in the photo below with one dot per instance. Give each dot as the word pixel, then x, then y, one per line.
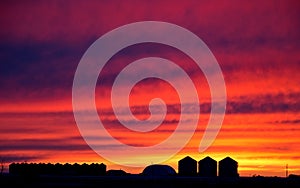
pixel 286 170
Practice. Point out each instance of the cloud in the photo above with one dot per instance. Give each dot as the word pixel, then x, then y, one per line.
pixel 70 21
pixel 258 157
pixel 263 103
pixel 296 121
pixel 44 41
pixel 20 158
pixel 267 103
pixel 74 144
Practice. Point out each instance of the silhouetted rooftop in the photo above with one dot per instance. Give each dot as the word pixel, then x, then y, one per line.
pixel 159 170
pixel 187 158
pixel 208 159
pixel 228 160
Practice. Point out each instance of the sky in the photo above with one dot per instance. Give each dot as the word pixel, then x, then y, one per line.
pixel 256 44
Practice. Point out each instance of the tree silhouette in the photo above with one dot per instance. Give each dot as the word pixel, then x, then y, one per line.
pixel 2 166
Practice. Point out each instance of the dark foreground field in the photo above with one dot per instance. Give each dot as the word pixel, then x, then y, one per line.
pixel 144 182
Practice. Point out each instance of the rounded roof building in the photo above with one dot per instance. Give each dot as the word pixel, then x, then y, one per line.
pixel 159 170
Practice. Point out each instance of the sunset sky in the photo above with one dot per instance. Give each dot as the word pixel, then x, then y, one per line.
pixel 257 46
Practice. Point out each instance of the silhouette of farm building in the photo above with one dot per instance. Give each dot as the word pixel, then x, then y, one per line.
pixel 57 169
pixel 207 167
pixel 116 173
pixel 187 166
pixel 102 169
pixel 228 167
pixel 159 170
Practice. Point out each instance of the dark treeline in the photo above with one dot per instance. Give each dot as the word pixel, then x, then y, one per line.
pixel 57 169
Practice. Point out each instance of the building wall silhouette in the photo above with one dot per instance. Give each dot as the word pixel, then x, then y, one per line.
pixel 207 167
pixel 159 170
pixel 187 166
pixel 228 168
pixel 116 173
pixel 57 169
